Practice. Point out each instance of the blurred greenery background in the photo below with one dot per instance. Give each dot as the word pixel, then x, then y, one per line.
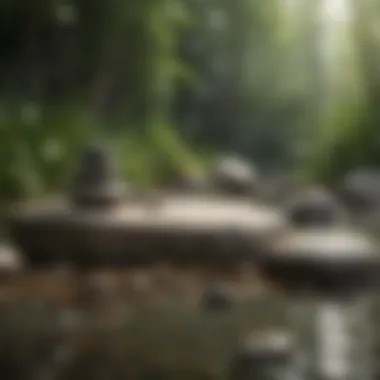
pixel 291 84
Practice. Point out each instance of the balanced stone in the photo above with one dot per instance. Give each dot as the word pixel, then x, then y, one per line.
pixel 234 176
pixel 96 182
pixel 314 207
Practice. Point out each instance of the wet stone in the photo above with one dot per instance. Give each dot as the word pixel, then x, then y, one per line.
pixel 207 230
pixel 360 190
pixel 263 355
pixel 96 182
pixel 218 298
pixel 234 176
pixel 329 262
pixel 314 206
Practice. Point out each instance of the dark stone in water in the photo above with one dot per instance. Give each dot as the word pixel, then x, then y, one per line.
pixel 360 191
pixel 263 355
pixel 218 298
pixel 314 207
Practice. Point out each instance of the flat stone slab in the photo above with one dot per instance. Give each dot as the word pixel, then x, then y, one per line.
pixel 335 260
pixel 184 228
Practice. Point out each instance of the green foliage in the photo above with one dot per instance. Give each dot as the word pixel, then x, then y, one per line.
pixel 350 137
pixel 340 147
pixel 38 147
pixel 159 155
pixel 234 75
